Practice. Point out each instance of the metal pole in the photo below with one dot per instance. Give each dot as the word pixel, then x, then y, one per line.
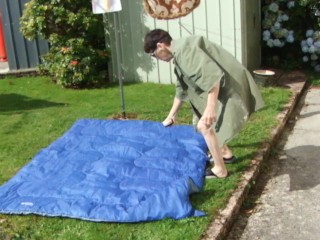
pixel 117 32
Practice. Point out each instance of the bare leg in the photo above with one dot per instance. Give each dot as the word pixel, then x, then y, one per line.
pixel 210 137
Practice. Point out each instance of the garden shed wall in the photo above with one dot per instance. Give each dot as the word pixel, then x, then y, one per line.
pixel 233 24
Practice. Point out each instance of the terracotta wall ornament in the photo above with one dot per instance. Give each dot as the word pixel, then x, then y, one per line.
pixel 169 9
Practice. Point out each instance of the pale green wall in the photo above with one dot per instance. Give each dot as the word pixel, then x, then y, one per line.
pixel 251 34
pixel 226 22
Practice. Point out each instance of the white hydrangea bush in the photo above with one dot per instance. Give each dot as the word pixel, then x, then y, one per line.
pixel 311 49
pixel 278 23
pixel 275 33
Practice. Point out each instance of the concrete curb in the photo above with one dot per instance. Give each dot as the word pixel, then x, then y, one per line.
pixel 222 224
pixel 19 73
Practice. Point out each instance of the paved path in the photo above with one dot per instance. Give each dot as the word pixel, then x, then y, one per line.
pixel 286 203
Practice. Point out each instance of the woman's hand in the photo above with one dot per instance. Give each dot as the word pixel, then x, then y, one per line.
pixel 171 118
pixel 209 116
pixel 169 121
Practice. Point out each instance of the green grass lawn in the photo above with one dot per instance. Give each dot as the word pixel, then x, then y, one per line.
pixel 34 112
pixel 314 79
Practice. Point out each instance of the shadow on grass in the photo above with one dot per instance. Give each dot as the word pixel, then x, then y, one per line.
pixel 15 102
pixel 117 85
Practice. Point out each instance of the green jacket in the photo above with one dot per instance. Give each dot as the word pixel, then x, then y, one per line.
pixel 199 65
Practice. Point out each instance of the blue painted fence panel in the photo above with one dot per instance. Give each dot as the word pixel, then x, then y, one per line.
pixel 22 53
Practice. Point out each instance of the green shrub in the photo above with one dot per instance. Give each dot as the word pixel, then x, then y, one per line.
pixel 77 56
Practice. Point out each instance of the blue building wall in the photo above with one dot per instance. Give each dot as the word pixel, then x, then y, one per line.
pixel 22 53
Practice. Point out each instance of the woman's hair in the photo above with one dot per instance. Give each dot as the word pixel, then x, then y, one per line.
pixel 156 36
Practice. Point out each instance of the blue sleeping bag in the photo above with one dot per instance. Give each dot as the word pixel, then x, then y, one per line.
pixel 113 171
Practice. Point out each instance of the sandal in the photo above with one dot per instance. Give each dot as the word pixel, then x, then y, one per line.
pixel 209 174
pixel 230 160
pixel 227 160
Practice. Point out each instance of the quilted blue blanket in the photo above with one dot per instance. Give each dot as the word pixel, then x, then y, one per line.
pixel 113 171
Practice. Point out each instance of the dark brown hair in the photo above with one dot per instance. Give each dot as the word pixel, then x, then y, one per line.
pixel 156 36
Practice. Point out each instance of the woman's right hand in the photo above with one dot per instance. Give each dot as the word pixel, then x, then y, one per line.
pixel 169 121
